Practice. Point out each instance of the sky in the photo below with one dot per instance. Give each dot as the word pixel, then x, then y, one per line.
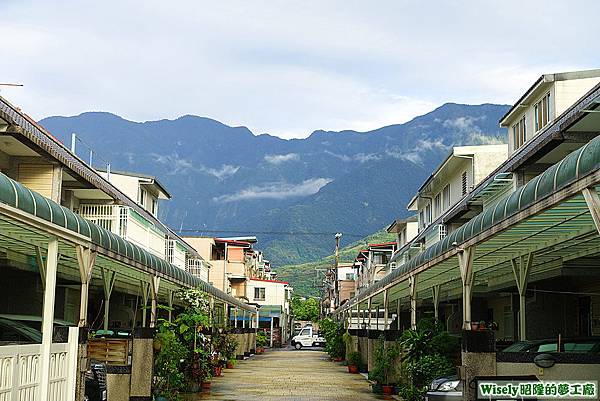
pixel 285 68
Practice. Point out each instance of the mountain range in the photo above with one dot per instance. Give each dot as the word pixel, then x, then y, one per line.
pixel 294 194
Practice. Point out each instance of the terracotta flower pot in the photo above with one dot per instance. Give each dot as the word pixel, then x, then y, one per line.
pixel 338 359
pixel 218 370
pixel 229 365
pixel 387 389
pixel 352 369
pixel 205 385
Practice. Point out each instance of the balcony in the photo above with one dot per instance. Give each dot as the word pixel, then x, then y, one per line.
pixel 128 224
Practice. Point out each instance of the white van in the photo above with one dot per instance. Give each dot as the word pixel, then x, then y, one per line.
pixel 308 337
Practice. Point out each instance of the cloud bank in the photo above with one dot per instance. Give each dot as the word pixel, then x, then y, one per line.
pixel 276 190
pixel 279 159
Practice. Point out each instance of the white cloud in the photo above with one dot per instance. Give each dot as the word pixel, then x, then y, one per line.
pixel 431 144
pixel 357 67
pixel 412 156
pixel 279 159
pixel 276 190
pixel 225 171
pixel 179 165
pixel 359 157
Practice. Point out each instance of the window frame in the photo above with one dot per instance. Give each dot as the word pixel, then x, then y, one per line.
pixel 258 290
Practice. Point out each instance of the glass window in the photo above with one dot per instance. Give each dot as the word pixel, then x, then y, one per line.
pixel 446 196
pixel 541 112
pixel 437 205
pixel 259 293
pixel 519 133
pixel 142 197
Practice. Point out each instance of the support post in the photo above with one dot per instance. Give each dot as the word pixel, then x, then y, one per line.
pixel 154 284
pixel 108 280
pixel 170 301
pixel 521 267
pixel 235 316
pixel 412 287
pixel 41 265
pixel 593 202
pixel 398 310
pixel 244 319
pixel 271 340
pixel 465 262
pixel 385 309
pixel 145 287
pixel 370 311
pixel 85 260
pixel 48 316
pixel 436 301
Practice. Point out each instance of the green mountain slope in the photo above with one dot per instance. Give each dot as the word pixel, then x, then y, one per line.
pixel 306 277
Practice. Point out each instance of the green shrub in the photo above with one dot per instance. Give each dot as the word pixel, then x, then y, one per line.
pixel 354 358
pixel 261 339
pixel 384 362
pixel 333 334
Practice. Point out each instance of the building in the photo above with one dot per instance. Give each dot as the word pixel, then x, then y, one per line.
pixel 76 248
pixel 273 299
pixel 520 256
pixel 371 264
pixel 454 179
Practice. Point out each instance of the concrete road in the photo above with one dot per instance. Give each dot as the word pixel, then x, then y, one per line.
pixel 288 375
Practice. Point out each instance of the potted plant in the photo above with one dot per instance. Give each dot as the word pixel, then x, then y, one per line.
pixel 261 342
pixel 384 366
pixel 169 377
pixel 229 347
pixel 334 342
pixel 354 360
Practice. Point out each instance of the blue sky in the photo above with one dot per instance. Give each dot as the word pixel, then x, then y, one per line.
pixel 285 68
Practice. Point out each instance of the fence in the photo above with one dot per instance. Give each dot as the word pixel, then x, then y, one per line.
pixel 109 351
pixel 21 367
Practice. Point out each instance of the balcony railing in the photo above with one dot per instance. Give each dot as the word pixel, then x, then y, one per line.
pixel 128 224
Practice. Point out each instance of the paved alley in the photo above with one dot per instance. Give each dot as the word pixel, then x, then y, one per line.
pixel 289 375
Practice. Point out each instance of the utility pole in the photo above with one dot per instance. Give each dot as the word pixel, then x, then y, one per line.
pixel 336 295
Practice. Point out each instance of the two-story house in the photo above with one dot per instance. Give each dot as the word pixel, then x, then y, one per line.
pixel 453 180
pixel 370 264
pixel 273 299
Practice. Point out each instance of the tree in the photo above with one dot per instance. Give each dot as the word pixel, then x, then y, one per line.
pixel 307 309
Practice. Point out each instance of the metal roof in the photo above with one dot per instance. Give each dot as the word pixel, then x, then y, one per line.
pixel 15 194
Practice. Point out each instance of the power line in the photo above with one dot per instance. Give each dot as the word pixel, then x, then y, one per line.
pixel 195 230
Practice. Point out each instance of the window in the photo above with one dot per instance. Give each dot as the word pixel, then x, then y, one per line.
pixel 349 276
pixel 422 223
pixel 259 293
pixel 519 133
pixel 541 112
pixel 170 250
pixel 446 196
pixel 437 205
pixel 464 183
pixel 427 214
pixel 154 206
pixel 142 197
pixel 442 231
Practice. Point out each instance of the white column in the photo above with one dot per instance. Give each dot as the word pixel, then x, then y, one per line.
pixel 412 287
pixel 108 280
pixel 235 316
pixel 465 261
pixel 271 340
pixel 593 202
pixel 244 319
pixel 436 301
pixel 370 311
pixel 145 287
pixel 385 310
pixel 48 316
pixel 170 300
pixel 85 260
pixel 154 284
pixel 521 268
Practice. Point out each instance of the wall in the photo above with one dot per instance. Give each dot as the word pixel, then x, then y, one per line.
pixel 567 93
pixel 274 292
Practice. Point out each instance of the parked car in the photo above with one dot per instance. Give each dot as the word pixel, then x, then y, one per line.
pixel 15 332
pixel 308 337
pixel 449 388
pixel 575 344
